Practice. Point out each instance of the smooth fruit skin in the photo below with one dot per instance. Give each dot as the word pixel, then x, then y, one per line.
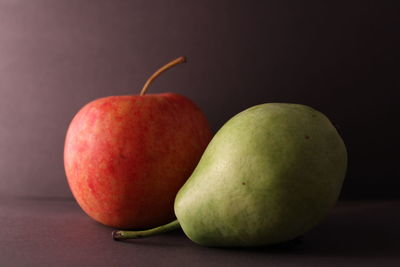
pixel 270 174
pixel 126 157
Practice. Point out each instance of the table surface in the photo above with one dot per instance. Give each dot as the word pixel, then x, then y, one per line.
pixel 55 232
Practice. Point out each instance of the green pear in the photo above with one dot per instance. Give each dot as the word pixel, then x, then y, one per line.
pixel 269 175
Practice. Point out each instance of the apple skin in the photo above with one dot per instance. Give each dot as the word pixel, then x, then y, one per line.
pixel 126 157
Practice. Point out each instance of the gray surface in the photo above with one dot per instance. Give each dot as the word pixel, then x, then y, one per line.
pixel 55 232
pixel 340 57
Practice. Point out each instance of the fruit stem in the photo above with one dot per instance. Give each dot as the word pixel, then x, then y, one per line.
pixel 122 235
pixel 161 70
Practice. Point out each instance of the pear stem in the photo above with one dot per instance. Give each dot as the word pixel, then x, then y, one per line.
pixel 161 70
pixel 122 235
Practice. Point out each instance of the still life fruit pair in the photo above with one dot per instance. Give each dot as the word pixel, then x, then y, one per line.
pixel 150 162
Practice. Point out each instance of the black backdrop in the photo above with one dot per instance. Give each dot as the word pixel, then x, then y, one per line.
pixel 341 57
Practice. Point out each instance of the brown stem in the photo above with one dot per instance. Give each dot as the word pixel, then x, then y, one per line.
pixel 161 70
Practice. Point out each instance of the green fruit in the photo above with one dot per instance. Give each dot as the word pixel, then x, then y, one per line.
pixel 270 174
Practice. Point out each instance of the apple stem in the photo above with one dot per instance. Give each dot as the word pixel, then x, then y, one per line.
pixel 161 70
pixel 122 235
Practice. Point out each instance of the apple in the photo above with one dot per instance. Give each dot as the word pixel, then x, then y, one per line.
pixel 126 157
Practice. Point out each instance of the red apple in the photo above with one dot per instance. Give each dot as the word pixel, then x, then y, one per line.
pixel 126 157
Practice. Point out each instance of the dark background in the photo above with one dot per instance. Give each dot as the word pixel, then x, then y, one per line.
pixel 340 57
